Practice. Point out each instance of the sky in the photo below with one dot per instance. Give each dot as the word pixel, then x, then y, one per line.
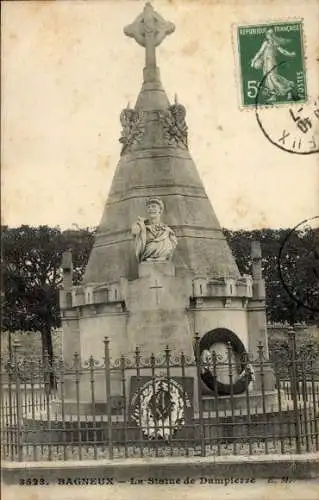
pixel 68 71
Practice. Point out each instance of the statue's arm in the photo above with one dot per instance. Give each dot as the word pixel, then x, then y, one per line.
pixel 137 226
pixel 258 54
pixel 285 52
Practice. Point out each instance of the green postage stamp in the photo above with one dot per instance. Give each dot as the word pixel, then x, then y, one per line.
pixel 271 63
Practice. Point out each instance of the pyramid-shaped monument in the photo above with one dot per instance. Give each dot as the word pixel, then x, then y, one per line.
pixel 156 162
pixel 160 269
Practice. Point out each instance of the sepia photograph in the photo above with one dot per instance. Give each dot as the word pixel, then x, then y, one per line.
pixel 160 249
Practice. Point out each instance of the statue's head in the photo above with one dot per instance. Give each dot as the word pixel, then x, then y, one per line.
pixel 154 207
pixel 277 40
pixel 270 34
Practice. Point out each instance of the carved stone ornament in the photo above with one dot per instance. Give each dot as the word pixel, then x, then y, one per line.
pixel 149 30
pixel 132 128
pixel 174 126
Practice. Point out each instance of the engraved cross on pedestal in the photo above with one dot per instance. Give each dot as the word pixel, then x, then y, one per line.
pixel 149 29
pixel 156 287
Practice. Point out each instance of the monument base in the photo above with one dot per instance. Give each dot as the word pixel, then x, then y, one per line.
pixel 251 417
pixel 212 430
pixel 86 408
pixel 238 403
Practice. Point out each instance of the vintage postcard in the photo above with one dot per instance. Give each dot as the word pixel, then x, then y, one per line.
pixel 160 236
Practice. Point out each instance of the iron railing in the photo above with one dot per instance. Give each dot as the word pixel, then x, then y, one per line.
pixel 136 406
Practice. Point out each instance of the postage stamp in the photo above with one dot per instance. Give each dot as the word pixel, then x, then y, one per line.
pixel 271 63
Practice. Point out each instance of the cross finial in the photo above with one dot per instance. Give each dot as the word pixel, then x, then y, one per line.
pixel 149 29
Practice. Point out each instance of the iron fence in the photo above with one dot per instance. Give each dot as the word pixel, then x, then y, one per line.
pixel 166 404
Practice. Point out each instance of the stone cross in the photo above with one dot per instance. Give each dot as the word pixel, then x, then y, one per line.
pixel 149 29
pixel 156 287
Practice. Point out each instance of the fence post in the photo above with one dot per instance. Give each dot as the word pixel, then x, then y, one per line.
pixel 230 429
pixel 279 398
pixel 125 412
pixel 10 369
pixel 261 359
pixel 315 402
pixel 138 385
pixel 304 393
pixel 168 376
pixel 62 371
pixel 217 427
pixel 247 361
pixel 153 372
pixel 107 367
pixel 47 390
pixel 199 395
pixel 183 364
pixel 292 339
pixel 16 345
pixel 91 365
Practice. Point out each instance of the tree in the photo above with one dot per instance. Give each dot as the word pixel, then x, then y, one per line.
pixel 32 276
pixel 298 272
pixel 293 287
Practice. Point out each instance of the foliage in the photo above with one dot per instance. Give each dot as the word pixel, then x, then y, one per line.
pixel 31 276
pixel 299 265
pixel 306 357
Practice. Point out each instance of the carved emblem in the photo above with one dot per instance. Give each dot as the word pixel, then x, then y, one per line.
pixel 174 125
pixel 132 128
pixel 149 29
pixel 159 408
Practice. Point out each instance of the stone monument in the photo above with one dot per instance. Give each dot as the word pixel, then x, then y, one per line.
pixel 160 268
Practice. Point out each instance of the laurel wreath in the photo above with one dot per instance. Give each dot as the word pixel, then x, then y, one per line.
pixel 154 427
pixel 247 374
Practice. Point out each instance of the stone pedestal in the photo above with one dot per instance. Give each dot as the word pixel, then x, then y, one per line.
pixel 156 269
pixel 157 303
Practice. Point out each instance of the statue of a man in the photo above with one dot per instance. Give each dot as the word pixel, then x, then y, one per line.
pixel 154 240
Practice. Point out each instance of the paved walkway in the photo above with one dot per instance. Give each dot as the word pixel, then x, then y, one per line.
pixel 261 490
pixel 209 479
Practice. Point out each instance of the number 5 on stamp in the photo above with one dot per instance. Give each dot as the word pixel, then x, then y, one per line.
pixel 271 63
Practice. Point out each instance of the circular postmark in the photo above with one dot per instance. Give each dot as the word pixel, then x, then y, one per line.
pixel 293 127
pixel 298 264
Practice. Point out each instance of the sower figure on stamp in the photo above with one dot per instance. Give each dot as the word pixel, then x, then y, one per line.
pixel 154 241
pixel 265 59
